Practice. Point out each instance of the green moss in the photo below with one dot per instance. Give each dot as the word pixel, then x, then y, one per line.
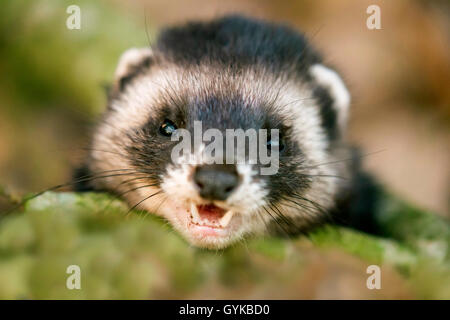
pixel 126 255
pixel 416 228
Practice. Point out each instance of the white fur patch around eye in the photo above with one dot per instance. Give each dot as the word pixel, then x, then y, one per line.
pixel 330 80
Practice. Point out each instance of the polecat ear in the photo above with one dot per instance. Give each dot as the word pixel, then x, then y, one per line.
pixel 131 63
pixel 334 98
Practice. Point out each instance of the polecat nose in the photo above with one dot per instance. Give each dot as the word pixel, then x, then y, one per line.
pixel 216 181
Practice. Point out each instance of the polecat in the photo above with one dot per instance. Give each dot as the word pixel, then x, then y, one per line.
pixel 229 73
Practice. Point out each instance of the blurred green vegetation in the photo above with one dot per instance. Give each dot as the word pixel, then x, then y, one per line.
pixel 53 83
pixel 131 255
pixel 50 66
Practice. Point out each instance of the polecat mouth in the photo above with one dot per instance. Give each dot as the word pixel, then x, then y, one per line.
pixel 210 215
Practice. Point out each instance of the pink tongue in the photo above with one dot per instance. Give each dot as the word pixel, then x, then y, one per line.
pixel 210 212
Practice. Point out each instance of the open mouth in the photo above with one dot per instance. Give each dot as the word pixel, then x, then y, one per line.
pixel 210 215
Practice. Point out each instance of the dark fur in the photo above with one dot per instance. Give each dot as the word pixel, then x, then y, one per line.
pixel 237 41
pixel 357 206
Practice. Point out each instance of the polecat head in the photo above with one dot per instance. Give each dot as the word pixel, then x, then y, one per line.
pixel 228 74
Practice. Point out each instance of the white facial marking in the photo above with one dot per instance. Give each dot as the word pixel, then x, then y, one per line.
pixel 330 80
pixel 130 58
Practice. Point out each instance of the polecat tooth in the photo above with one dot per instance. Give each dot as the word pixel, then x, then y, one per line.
pixel 229 73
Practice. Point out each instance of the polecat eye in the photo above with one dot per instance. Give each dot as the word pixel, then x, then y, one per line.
pixel 167 128
pixel 271 143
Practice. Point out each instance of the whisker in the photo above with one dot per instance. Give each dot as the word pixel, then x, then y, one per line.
pixel 276 221
pixel 343 160
pixel 310 211
pixel 277 211
pixel 133 179
pixel 146 198
pixel 323 176
pixel 263 220
pixel 82 179
pixel 157 208
pixel 128 191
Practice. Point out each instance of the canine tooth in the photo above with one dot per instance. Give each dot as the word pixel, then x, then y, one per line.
pixel 194 212
pixel 225 220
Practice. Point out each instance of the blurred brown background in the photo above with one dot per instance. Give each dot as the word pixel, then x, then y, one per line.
pixel 52 78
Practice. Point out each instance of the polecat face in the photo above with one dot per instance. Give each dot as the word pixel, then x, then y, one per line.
pixel 232 73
